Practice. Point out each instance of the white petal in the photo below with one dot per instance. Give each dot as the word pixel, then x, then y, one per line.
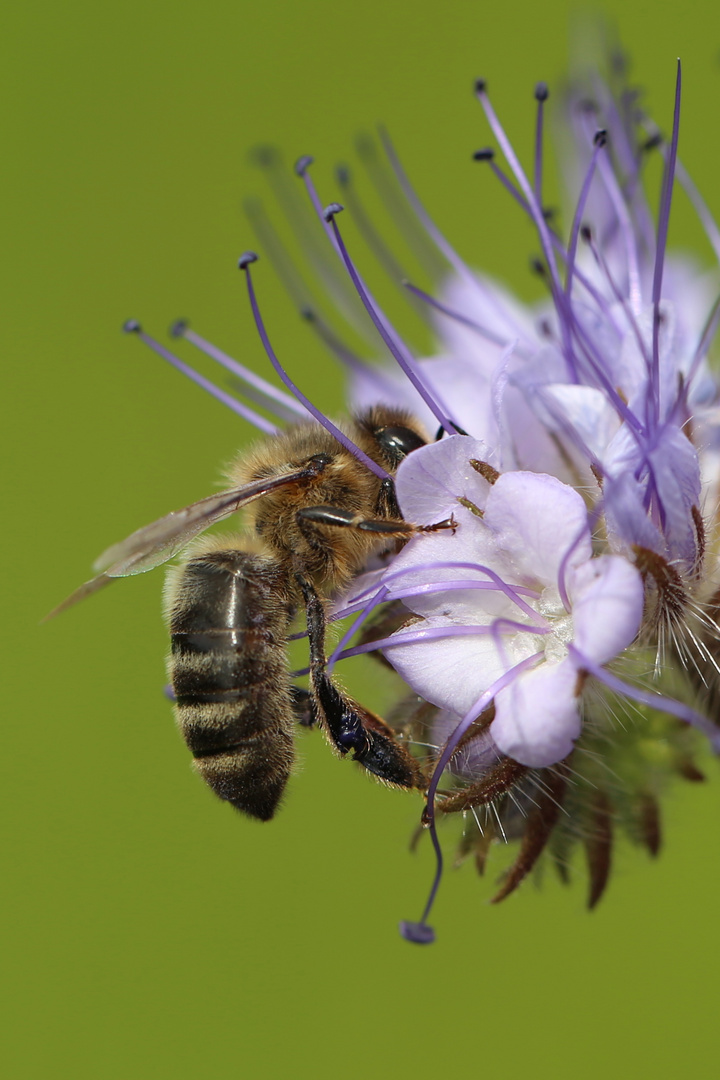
pixel 453 672
pixel 537 520
pixel 537 718
pixel 607 605
pixel 432 479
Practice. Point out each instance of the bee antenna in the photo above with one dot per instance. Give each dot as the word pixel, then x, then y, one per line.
pixel 244 263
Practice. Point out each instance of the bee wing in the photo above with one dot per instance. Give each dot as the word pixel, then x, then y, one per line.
pixel 154 544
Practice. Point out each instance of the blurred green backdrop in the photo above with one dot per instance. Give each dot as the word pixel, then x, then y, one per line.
pixel 150 932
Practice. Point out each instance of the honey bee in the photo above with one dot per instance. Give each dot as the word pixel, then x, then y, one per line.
pixel 316 514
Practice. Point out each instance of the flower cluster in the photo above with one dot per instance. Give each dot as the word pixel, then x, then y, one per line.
pixel 560 639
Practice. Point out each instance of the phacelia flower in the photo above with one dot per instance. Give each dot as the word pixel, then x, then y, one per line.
pixel 554 613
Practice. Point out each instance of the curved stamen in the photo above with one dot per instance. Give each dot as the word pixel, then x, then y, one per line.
pixel 421 933
pixel 366 612
pixel 513 592
pixel 244 263
pixel 372 237
pixel 457 316
pixel 132 326
pixel 404 361
pixel 284 406
pixel 433 633
pixel 598 145
pixel 644 697
pixel 663 223
pixel 541 95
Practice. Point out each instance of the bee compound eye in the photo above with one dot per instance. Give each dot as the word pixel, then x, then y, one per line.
pixel 398 441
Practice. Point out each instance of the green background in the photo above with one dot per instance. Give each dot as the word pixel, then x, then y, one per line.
pixel 150 932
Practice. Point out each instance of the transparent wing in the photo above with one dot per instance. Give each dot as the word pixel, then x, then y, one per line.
pixel 154 544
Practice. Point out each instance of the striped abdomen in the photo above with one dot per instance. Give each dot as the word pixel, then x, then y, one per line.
pixel 228 623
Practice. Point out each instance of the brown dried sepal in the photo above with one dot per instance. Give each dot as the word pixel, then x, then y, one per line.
pixel 647 812
pixel 598 847
pixel 497 782
pixel 539 828
pixel 671 597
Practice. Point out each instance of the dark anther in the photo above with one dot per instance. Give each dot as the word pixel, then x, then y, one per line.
pixel 332 209
pixel 178 328
pixel 303 164
pixel 246 258
pixel 480 86
pixel 585 233
pixel 600 137
pixel 653 142
pixel 486 154
pixel 541 92
pixel 342 175
pixel 538 267
pixel 307 313
pixel 549 213
pixel 131 326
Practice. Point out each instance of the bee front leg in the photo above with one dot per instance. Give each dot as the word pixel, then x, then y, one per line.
pixel 348 725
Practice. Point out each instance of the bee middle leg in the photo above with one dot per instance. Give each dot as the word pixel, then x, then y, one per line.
pixel 349 725
pixel 336 515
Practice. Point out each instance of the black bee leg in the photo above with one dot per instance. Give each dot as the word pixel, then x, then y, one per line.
pixel 303 706
pixel 347 724
pixel 335 515
pixel 342 722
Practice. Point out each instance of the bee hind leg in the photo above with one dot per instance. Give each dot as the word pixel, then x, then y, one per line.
pixel 348 725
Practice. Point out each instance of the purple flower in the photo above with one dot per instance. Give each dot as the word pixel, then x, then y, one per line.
pixel 575 441
pixel 524 587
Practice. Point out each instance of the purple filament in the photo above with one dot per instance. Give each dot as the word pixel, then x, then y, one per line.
pixel 457 316
pixel 541 96
pixel 644 697
pixel 446 249
pixel 283 404
pixel 433 633
pixel 577 219
pixel 513 592
pixel 403 361
pixel 429 816
pixel 379 598
pixel 133 327
pixel 662 232
pixel 244 264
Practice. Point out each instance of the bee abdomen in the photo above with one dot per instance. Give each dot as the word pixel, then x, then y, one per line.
pixel 230 675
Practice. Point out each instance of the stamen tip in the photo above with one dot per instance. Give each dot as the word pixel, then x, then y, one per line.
pixel 302 164
pixel 131 326
pixel 542 93
pixel 331 210
pixel 480 86
pixel 246 259
pixel 418 933
pixel 585 233
pixel 178 328
pixel 342 175
pixel 600 137
pixel 485 154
